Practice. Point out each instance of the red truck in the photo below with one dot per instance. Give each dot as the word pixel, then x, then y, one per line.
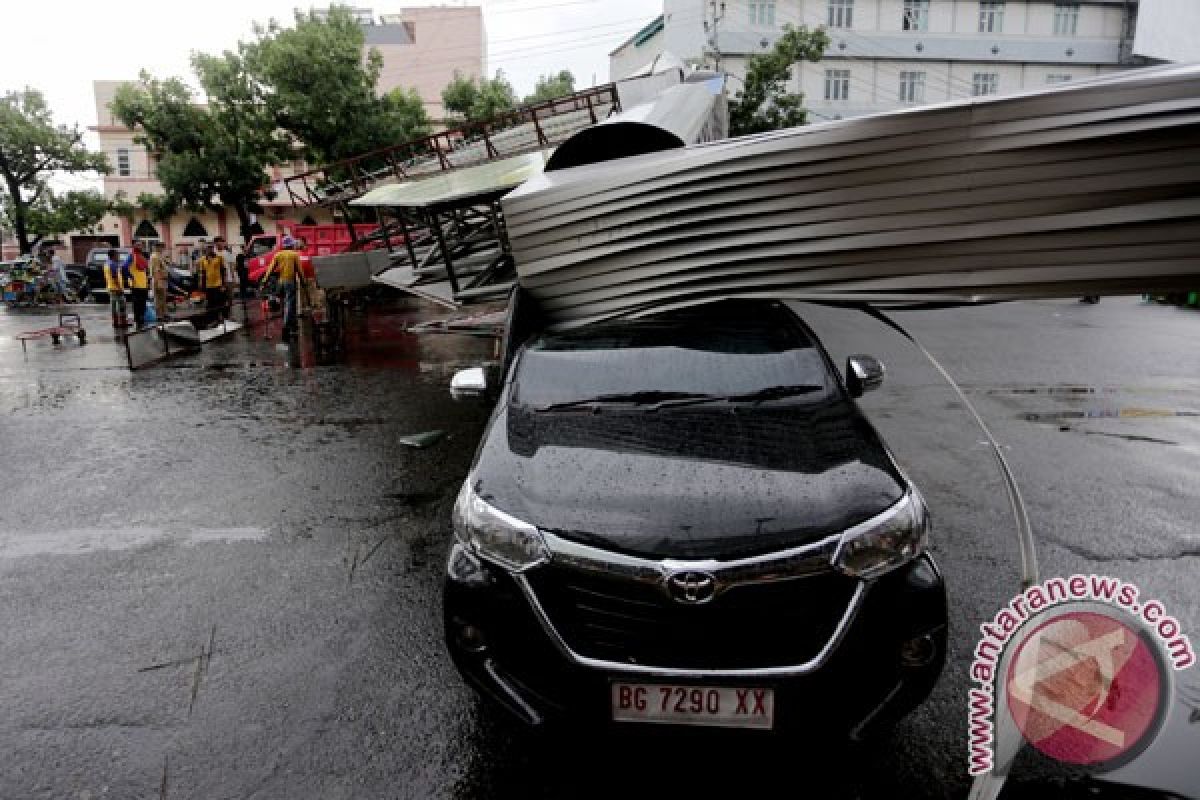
pixel 314 240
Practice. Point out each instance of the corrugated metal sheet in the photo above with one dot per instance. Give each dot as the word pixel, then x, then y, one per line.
pixel 687 113
pixel 1089 188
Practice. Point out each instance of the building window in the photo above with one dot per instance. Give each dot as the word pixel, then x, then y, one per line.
pixel 985 83
pixel 991 16
pixel 837 84
pixel 841 13
pixel 912 87
pixel 123 163
pixel 194 229
pixel 916 15
pixel 762 14
pixel 1058 77
pixel 1066 19
pixel 146 230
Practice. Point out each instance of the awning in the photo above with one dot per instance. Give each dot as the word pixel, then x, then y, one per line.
pixel 489 180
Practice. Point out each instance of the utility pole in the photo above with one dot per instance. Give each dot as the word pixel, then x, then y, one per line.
pixel 711 28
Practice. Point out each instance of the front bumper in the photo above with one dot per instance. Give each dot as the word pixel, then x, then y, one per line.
pixel 869 679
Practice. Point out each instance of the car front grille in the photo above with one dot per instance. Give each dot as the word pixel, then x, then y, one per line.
pixel 753 625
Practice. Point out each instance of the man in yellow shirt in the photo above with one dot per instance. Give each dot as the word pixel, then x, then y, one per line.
pixel 116 280
pixel 211 278
pixel 158 272
pixel 286 265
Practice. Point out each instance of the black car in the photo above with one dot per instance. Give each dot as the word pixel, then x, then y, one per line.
pixel 686 519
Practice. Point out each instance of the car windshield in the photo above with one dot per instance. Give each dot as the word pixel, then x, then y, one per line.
pixel 100 257
pixel 261 246
pixel 675 360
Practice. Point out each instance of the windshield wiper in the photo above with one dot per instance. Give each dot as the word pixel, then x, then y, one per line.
pixel 652 400
pixel 644 398
pixel 774 393
pixel 749 398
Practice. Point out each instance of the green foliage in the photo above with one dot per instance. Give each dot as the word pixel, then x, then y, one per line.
pixel 478 101
pixel 32 148
pixel 207 156
pixel 459 95
pixel 48 213
pixel 158 207
pixel 322 91
pixel 764 103
pixel 406 114
pixel 495 97
pixel 549 87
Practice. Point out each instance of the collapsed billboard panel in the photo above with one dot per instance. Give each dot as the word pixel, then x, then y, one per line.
pixel 1089 188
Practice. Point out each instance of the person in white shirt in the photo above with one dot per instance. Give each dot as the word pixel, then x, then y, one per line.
pixel 228 263
pixel 58 272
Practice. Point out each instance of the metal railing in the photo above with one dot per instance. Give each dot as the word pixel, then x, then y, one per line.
pixel 349 178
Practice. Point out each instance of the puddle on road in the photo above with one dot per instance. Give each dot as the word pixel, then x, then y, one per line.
pixel 85 541
pixel 1132 437
pixel 1103 413
pixel 1071 391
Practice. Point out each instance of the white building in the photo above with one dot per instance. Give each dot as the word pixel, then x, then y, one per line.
pixel 637 51
pixel 886 54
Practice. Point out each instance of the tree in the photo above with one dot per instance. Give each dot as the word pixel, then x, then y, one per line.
pixel 764 103
pixel 406 113
pixel 460 95
pixel 207 156
pixel 49 214
pixel 32 149
pixel 478 101
pixel 158 207
pixel 319 87
pixel 495 97
pixel 549 87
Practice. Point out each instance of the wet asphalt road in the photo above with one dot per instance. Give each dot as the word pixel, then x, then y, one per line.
pixel 219 578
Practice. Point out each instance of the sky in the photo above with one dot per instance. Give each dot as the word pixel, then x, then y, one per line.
pixel 61 46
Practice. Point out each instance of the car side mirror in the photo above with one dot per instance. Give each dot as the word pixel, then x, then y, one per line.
pixel 863 373
pixel 468 383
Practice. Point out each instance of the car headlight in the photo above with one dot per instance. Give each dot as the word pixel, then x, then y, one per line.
pixel 495 535
pixel 868 551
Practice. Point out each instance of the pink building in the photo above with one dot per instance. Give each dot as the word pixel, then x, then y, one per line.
pixel 421 48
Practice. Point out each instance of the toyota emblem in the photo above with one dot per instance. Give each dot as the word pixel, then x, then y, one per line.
pixel 692 588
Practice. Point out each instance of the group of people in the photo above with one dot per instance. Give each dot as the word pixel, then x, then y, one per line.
pixel 217 272
pixel 139 275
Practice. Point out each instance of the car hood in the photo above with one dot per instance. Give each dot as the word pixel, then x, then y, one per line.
pixel 688 483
